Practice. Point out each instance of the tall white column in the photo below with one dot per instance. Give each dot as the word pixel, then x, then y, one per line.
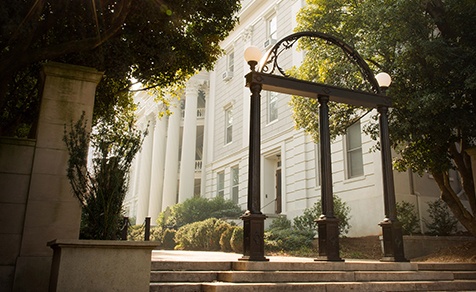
pixel 158 164
pixel 169 196
pixel 189 141
pixel 144 175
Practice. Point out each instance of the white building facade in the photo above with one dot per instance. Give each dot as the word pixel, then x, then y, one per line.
pixel 204 151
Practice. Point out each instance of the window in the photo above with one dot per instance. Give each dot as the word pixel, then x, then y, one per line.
pixel 272 27
pixel 272 98
pixel 230 62
pixel 228 125
pixel 221 184
pixel 355 163
pixel 235 180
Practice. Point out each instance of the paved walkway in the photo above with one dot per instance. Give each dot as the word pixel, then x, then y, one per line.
pixel 215 256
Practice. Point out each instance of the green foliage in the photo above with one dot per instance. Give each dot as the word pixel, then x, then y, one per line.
pixel 168 238
pixel 137 233
pixel 288 239
pixel 429 49
pixel 441 221
pixel 101 189
pixel 198 209
pixel 225 239
pixel 407 216
pixel 280 223
pixel 282 237
pixel 159 43
pixel 203 235
pixel 307 220
pixel 165 238
pixel 236 241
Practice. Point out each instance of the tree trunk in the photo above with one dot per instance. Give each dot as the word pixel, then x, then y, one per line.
pixel 449 196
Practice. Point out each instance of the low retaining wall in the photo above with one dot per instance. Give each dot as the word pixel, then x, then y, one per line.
pixel 100 265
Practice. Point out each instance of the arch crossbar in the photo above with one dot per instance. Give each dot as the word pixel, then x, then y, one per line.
pixel 271 65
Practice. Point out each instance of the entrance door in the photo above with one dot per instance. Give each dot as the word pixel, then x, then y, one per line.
pixel 279 203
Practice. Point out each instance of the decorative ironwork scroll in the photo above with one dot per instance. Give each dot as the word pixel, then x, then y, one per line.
pixel 270 64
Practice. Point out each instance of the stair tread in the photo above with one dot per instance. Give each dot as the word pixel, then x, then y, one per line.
pixel 264 276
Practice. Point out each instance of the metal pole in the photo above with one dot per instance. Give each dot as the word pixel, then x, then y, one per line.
pixel 328 225
pixel 391 228
pixel 253 219
pixel 147 229
pixel 125 226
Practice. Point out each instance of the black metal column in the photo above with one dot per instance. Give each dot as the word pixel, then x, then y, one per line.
pixel 391 227
pixel 253 219
pixel 328 224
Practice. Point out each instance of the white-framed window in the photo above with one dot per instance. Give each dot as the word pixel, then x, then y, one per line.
pixel 230 61
pixel 272 102
pixel 355 162
pixel 221 184
pixel 228 125
pixel 235 181
pixel 272 27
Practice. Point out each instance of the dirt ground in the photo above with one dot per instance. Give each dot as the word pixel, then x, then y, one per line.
pixel 369 248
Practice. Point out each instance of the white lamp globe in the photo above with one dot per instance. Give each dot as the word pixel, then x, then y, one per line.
pixel 383 79
pixel 252 54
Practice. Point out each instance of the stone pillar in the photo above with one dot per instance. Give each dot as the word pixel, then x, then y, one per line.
pixel 157 176
pixel 144 175
pixel 169 195
pixel 189 141
pixel 51 210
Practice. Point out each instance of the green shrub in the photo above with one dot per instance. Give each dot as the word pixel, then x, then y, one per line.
pixel 288 239
pixel 442 222
pixel 307 220
pixel 203 235
pixel 198 209
pixel 237 239
pixel 406 214
pixel 135 233
pixel 164 237
pixel 168 239
pixel 225 239
pixel 280 223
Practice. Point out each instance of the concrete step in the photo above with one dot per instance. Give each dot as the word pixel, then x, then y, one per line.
pixel 190 266
pixel 340 286
pixel 324 266
pixel 330 276
pixel 447 266
pixel 311 276
pixel 176 287
pixel 183 276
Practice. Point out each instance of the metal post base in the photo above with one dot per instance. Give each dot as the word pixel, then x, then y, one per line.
pixel 392 242
pixel 253 237
pixel 328 232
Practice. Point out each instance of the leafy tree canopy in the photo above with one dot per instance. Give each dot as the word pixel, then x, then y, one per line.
pixel 156 42
pixel 429 49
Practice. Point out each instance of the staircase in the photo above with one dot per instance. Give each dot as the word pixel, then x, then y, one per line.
pixel 311 276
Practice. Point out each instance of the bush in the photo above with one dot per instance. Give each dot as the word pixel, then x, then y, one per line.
pixel 288 239
pixel 442 222
pixel 163 237
pixel 203 235
pixel 225 239
pixel 197 209
pixel 282 237
pixel 168 239
pixel 406 214
pixel 280 223
pixel 236 241
pixel 307 220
